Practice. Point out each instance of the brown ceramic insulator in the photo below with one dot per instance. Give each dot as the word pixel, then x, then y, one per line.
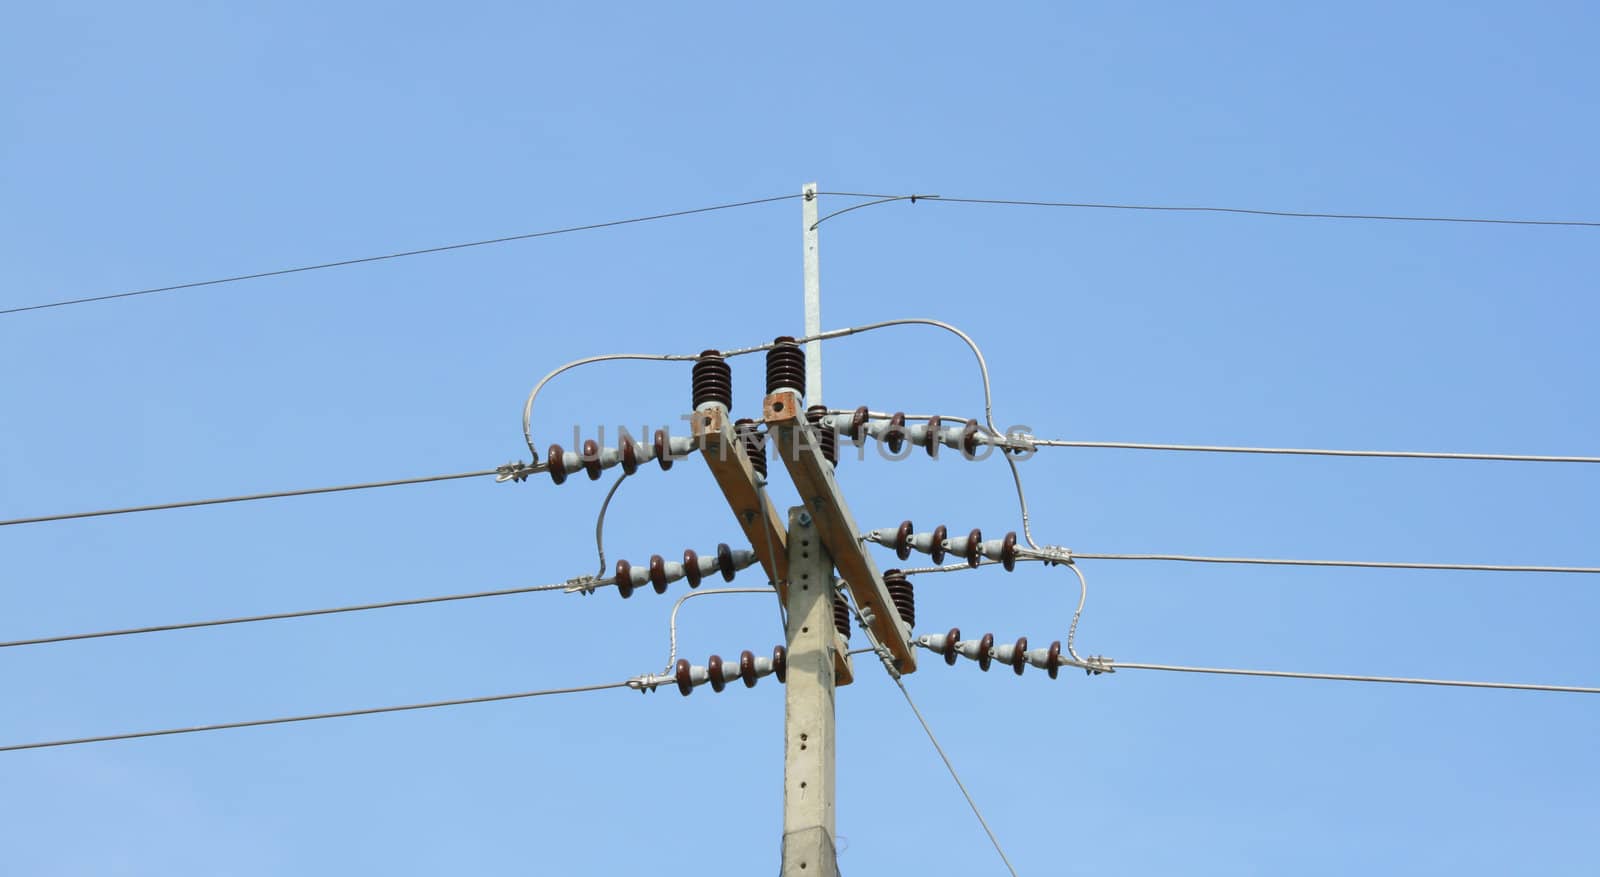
pixel 903 595
pixel 827 438
pixel 1054 659
pixel 902 540
pixel 984 645
pixel 630 457
pixel 712 380
pixel 591 459
pixel 753 443
pixel 786 366
pixel 681 673
pixel 780 663
pixel 1008 551
pixel 969 440
pixel 974 547
pixel 841 616
pixel 624 579
pixel 658 573
pixel 1019 655
pixel 714 670
pixel 895 435
pixel 691 567
pixel 555 464
pixel 858 424
pixel 747 668
pixel 949 650
pixel 725 561
pixel 936 550
pixel 935 428
pixel 663 450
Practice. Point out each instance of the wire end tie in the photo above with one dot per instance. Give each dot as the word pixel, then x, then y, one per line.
pixel 1053 555
pixel 647 683
pixel 516 470
pixel 584 585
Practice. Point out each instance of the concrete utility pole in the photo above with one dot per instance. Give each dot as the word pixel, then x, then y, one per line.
pixel 800 562
pixel 808 727
pixel 813 284
pixel 808 738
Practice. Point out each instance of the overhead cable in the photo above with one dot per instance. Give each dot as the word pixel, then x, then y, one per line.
pixel 418 252
pixel 1320 452
pixel 1369 564
pixel 304 613
pixel 1297 214
pixel 510 470
pixel 282 720
pixel 1348 677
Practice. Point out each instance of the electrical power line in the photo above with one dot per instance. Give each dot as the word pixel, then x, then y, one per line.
pixel 884 199
pixel 1297 214
pixel 275 616
pixel 418 252
pixel 66 516
pixel 1323 452
pixel 1348 677
pixel 1368 564
pixel 282 720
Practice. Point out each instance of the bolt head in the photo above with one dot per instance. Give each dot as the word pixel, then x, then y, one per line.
pixel 804 519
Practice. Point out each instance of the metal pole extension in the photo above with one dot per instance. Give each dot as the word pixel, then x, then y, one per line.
pixel 808 212
pixel 808 727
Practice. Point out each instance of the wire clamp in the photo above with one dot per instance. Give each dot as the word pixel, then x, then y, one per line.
pixel 1094 665
pixel 647 683
pixel 1053 555
pixel 584 584
pixel 516 470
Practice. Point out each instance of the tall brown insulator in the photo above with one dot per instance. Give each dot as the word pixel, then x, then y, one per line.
pixel 841 616
pixel 754 444
pixel 786 366
pixel 827 439
pixel 712 380
pixel 901 592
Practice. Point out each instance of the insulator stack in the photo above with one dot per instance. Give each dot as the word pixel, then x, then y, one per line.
pixel 901 592
pixel 593 459
pixel 827 438
pixel 660 572
pixel 973 547
pixel 894 432
pixel 786 367
pixel 841 616
pixel 1015 655
pixel 754 443
pixel 749 668
pixel 712 381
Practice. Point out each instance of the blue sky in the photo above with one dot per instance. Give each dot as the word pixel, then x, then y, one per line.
pixel 182 141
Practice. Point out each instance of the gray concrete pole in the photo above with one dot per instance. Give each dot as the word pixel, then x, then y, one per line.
pixel 808 729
